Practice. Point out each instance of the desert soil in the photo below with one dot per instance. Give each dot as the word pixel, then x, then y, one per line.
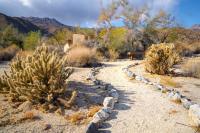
pixel 140 109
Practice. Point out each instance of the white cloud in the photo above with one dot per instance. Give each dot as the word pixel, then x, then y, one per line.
pixel 26 3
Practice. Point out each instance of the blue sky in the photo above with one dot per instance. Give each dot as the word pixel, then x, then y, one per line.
pixel 188 12
pixel 85 12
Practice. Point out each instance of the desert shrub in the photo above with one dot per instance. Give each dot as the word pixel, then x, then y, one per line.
pixel 39 78
pixel 81 56
pixel 192 68
pixel 113 55
pixel 160 58
pixel 32 40
pixel 8 53
pixel 117 40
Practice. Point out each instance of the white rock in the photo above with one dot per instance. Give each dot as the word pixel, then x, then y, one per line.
pixel 186 103
pixel 194 114
pixel 100 116
pixel 109 102
pixel 107 110
pixel 159 86
pixel 176 97
pixel 170 94
pixel 113 93
pixel 139 78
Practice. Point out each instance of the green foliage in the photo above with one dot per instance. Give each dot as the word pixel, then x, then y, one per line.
pixel 39 78
pixel 160 58
pixel 116 41
pixel 9 35
pixel 60 37
pixel 32 40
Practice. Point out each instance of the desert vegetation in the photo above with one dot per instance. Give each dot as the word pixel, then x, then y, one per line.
pixel 160 58
pixel 39 78
pixel 81 56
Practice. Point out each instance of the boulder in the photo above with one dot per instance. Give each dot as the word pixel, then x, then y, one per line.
pixel 109 102
pixel 194 114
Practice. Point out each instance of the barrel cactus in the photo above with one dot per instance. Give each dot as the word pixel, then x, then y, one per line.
pixel 38 78
pixel 159 58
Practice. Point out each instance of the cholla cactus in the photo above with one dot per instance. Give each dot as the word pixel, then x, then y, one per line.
pixel 39 78
pixel 160 57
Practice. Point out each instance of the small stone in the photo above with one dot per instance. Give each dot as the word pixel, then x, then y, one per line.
pixel 113 93
pixel 130 74
pixel 175 96
pixel 107 110
pixel 186 103
pixel 194 114
pixel 139 78
pixel 92 128
pixel 170 94
pixel 26 106
pixel 109 102
pixel 100 116
pixel 160 87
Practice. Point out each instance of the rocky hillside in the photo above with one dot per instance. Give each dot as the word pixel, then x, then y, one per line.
pixel 48 24
pixel 22 25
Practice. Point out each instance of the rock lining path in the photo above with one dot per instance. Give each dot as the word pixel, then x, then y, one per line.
pixel 141 109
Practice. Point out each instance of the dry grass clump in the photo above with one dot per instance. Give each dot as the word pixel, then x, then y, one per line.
pixel 76 118
pixel 83 117
pixel 160 58
pixel 39 78
pixel 29 115
pixel 8 53
pixel 81 56
pixel 192 67
pixel 92 110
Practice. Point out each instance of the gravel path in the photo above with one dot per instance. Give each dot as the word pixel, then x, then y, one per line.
pixel 141 109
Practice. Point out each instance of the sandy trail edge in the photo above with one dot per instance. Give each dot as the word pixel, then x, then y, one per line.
pixel 141 109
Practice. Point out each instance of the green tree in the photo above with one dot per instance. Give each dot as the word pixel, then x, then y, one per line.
pixel 60 37
pixel 9 35
pixel 32 40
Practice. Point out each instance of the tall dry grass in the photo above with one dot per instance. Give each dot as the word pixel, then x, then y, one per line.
pixel 81 56
pixel 192 67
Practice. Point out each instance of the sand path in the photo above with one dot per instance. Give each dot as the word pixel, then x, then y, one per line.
pixel 141 109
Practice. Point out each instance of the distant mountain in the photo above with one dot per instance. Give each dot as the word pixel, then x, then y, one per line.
pixel 48 24
pixel 22 25
pixel 196 27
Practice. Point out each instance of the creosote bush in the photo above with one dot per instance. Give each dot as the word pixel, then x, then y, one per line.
pixel 160 58
pixel 38 78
